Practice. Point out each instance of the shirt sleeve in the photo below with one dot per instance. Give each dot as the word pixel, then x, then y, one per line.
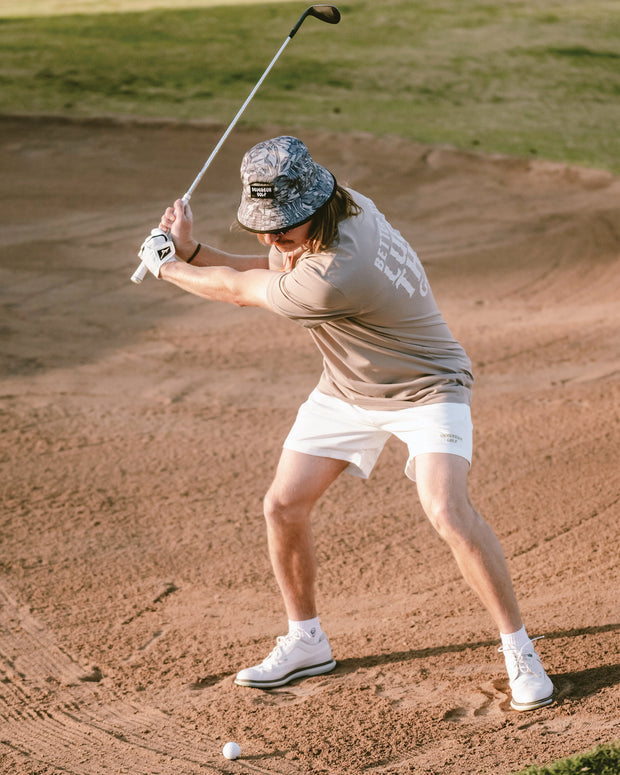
pixel 305 296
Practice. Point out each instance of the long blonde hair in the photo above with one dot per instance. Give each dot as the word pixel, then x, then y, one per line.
pixel 324 224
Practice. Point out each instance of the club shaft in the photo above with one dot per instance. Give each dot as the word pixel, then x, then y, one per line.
pixel 231 126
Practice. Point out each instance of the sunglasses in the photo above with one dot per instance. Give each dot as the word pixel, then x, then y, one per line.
pixel 280 233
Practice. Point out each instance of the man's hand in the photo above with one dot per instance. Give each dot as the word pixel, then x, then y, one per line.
pixel 178 220
pixel 157 249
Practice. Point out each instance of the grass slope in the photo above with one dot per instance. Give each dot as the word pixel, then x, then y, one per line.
pixel 603 760
pixel 524 77
pixel 65 7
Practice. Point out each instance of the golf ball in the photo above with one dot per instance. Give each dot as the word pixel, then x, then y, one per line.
pixel 231 750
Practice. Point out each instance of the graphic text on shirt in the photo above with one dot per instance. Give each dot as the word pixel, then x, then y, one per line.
pixel 398 261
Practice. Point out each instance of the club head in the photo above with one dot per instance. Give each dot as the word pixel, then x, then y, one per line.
pixel 326 13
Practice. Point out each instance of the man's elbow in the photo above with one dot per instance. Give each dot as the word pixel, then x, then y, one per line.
pixel 244 300
pixel 240 301
pixel 246 290
pixel 237 294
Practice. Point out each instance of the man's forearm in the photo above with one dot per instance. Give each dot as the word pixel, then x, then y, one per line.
pixel 210 282
pixel 209 256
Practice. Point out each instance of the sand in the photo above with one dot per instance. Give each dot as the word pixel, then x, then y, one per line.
pixel 141 427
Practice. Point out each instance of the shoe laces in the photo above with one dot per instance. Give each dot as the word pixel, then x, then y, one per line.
pixel 282 641
pixel 523 661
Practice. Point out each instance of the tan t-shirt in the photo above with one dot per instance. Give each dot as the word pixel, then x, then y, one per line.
pixel 370 310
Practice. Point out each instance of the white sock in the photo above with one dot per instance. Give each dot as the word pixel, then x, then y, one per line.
pixel 515 640
pixel 310 628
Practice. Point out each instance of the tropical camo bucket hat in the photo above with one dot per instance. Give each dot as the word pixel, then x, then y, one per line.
pixel 282 186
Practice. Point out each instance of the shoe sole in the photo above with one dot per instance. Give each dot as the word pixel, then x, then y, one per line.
pixel 303 672
pixel 522 706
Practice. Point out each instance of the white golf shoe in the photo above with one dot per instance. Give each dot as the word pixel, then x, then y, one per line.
pixel 293 657
pixel 531 687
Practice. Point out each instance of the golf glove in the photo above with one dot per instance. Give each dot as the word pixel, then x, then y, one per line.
pixel 157 249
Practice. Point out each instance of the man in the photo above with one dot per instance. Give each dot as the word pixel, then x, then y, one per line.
pixel 391 366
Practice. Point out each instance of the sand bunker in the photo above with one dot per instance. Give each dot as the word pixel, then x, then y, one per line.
pixel 141 427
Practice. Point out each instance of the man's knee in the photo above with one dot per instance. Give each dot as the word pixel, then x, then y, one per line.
pixel 298 484
pixel 456 521
pixel 281 511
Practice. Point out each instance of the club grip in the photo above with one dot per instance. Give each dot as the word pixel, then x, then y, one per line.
pixel 140 273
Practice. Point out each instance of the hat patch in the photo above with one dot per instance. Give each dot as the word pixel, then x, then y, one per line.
pixel 262 191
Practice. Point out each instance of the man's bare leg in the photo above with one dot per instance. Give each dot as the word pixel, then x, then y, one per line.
pixel 299 482
pixel 442 487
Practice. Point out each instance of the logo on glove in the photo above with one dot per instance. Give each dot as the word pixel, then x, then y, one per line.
pixel 157 249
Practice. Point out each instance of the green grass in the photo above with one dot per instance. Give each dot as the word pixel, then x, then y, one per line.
pixel 524 77
pixel 603 760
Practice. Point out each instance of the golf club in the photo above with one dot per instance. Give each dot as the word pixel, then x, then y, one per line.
pixel 325 13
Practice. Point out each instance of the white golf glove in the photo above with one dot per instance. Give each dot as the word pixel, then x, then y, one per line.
pixel 157 249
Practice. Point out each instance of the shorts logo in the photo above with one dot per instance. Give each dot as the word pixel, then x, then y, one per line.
pixel 451 437
pixel 262 191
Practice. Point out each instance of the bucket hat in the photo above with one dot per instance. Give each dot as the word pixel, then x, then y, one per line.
pixel 281 186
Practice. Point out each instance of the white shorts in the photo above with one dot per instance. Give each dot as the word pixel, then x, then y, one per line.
pixel 328 427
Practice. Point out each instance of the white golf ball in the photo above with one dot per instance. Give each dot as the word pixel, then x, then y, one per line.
pixel 231 750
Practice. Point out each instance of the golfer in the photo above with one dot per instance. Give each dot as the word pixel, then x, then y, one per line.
pixel 390 367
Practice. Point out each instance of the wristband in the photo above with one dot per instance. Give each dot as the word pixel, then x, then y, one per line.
pixel 194 254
